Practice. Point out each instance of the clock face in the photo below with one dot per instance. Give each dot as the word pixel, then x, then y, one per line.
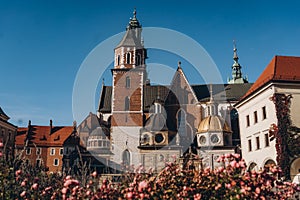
pixel 202 140
pixel 214 138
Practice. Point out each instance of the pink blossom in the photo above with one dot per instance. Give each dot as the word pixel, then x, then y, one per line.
pixel 94 174
pixel 23 183
pixel 1 144
pixel 142 185
pixel 142 195
pixel 64 190
pixel 236 155
pixel 34 186
pixel 129 195
pixel 18 172
pixel 233 164
pixel 23 194
pixel 218 186
pixel 67 183
pixel 48 188
pixel 88 193
pixel 1 154
pixel 227 155
pixel 257 190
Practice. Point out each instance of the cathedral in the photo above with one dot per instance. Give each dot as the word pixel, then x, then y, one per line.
pixel 139 123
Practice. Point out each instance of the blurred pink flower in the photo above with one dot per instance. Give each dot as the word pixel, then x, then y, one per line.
pixel 23 194
pixel 23 183
pixel 1 144
pixel 94 174
pixel 34 186
pixel 18 172
pixel 64 190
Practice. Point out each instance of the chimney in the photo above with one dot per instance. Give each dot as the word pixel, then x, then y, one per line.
pixel 50 126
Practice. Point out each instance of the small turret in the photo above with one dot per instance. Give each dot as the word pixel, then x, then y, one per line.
pixel 237 76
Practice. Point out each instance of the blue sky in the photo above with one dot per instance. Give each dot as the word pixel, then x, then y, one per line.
pixel 43 43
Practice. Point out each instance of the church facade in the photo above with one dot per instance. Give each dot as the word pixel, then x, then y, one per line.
pixel 149 125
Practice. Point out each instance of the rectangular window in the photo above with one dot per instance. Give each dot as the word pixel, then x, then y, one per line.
pixel 55 162
pixel 267 141
pixel 52 151
pixel 28 151
pixel 264 112
pixel 61 151
pixel 38 151
pixel 249 145
pixel 257 143
pixel 248 120
pixel 255 117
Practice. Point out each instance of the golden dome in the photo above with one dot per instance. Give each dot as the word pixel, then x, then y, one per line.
pixel 213 123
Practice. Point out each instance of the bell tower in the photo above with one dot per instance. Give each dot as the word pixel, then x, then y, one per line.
pixel 129 76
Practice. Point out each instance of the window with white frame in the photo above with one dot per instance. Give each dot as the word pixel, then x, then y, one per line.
pixel 267 141
pixel 264 113
pixel 55 162
pixel 28 151
pixel 52 151
pixel 249 145
pixel 257 143
pixel 247 120
pixel 61 151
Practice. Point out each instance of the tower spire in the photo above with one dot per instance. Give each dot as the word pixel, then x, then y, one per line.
pixel 237 76
pixel 235 56
pixel 212 105
pixel 133 23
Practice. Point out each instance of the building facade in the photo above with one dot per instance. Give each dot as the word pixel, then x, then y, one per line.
pixel 257 112
pixel 148 124
pixel 7 136
pixel 43 146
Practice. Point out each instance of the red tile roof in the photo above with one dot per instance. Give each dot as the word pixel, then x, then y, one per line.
pixel 41 136
pixel 281 68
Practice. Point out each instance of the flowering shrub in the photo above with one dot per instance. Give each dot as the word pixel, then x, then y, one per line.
pixel 229 181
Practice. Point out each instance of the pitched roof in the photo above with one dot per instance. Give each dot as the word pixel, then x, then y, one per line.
pixel 3 115
pixel 130 39
pixel 42 136
pixel 280 69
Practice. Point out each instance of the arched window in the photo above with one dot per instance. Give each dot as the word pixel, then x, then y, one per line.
pixel 128 58
pixel 252 166
pixel 127 103
pixel 118 60
pixel 126 157
pixel 127 82
pixel 181 122
pixel 157 107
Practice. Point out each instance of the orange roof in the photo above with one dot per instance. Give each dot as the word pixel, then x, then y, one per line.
pixel 281 68
pixel 41 136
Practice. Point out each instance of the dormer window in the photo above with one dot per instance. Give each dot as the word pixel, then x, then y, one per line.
pixel 128 58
